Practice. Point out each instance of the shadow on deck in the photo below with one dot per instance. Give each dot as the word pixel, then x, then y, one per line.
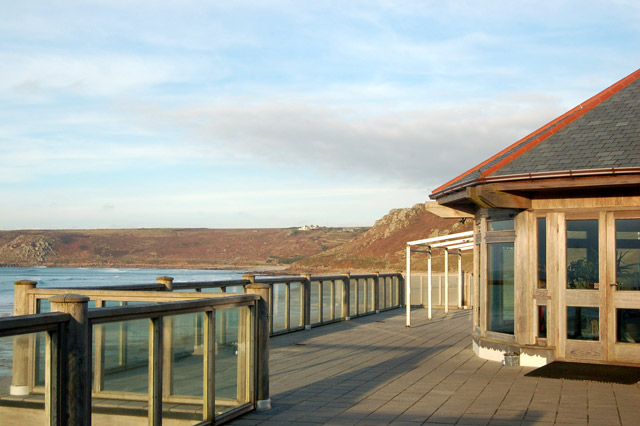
pixel 375 371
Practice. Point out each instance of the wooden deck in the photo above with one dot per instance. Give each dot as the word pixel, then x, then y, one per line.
pixel 375 371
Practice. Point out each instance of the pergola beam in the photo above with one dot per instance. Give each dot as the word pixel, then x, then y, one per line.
pixel 459 242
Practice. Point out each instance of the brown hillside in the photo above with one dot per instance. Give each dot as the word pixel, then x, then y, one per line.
pixel 222 248
pixel 383 247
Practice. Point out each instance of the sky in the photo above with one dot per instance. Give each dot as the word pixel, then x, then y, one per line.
pixel 243 114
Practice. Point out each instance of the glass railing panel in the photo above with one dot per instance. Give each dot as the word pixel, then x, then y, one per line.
pixel 296 305
pixel 120 366
pixel 362 297
pixel 337 301
pixel 232 358
pixel 279 307
pixel 315 301
pixel 327 300
pixel 183 371
pixel 394 291
pixel 234 289
pixel 21 399
pixel 353 291
pixel 371 294
pixel 416 284
pixel 388 292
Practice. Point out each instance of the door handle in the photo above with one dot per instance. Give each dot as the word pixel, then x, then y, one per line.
pixel 613 284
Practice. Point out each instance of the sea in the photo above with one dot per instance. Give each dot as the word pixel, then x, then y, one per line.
pixel 85 277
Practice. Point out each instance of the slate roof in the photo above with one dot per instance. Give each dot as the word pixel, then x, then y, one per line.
pixel 602 132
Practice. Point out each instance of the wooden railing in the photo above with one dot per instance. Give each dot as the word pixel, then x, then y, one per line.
pixel 136 343
pixel 136 356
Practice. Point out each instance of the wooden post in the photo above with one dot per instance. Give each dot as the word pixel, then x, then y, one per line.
pixel 166 281
pixel 263 401
pixel 429 283
pixel 22 359
pixel 376 293
pixel 446 280
pixel 346 296
pixel 459 279
pixel 306 297
pixel 78 356
pixel 155 371
pixel 408 290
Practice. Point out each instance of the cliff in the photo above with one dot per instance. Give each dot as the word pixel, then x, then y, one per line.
pixel 383 247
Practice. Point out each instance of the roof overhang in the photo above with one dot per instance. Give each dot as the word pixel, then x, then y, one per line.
pixel 510 191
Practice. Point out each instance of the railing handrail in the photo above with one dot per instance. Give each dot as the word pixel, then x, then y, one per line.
pixel 120 313
pixel 127 296
pixel 22 324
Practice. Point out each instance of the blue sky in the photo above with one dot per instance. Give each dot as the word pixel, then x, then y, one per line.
pixel 119 114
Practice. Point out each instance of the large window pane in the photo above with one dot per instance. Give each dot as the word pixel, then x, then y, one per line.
pixel 542 252
pixel 501 286
pixel 582 254
pixel 628 254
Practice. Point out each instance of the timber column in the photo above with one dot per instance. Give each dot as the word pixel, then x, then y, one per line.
pixel 262 339
pixel 21 354
pixel 77 357
pixel 346 296
pixel 306 301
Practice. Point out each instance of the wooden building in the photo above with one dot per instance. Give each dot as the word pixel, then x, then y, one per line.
pixel 557 236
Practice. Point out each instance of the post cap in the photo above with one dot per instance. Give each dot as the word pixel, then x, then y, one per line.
pixel 69 298
pixel 163 279
pixel 26 282
pixel 257 286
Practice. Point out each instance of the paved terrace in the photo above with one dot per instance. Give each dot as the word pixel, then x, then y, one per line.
pixel 375 371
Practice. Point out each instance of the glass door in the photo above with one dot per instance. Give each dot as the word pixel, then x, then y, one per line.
pixel 623 287
pixel 583 315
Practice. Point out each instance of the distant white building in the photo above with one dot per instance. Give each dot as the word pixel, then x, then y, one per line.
pixel 308 227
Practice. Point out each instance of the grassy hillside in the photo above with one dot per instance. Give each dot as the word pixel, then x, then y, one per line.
pixel 223 248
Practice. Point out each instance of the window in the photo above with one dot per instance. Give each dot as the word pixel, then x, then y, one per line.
pixel 542 321
pixel 500 309
pixel 501 225
pixel 582 254
pixel 583 323
pixel 542 252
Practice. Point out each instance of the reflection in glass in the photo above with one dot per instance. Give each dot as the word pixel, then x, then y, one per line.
pixel 583 323
pixel 279 306
pixel 542 252
pixel 628 325
pixel 501 287
pixel 232 358
pixel 121 356
pixel 542 322
pixel 501 225
pixel 295 295
pixel 16 385
pixel 628 254
pixel 582 254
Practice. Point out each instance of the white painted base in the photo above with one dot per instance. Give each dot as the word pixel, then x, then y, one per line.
pixel 307 327
pixel 19 390
pixel 264 404
pixel 347 319
pixel 526 360
pixel 377 311
pixel 487 353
